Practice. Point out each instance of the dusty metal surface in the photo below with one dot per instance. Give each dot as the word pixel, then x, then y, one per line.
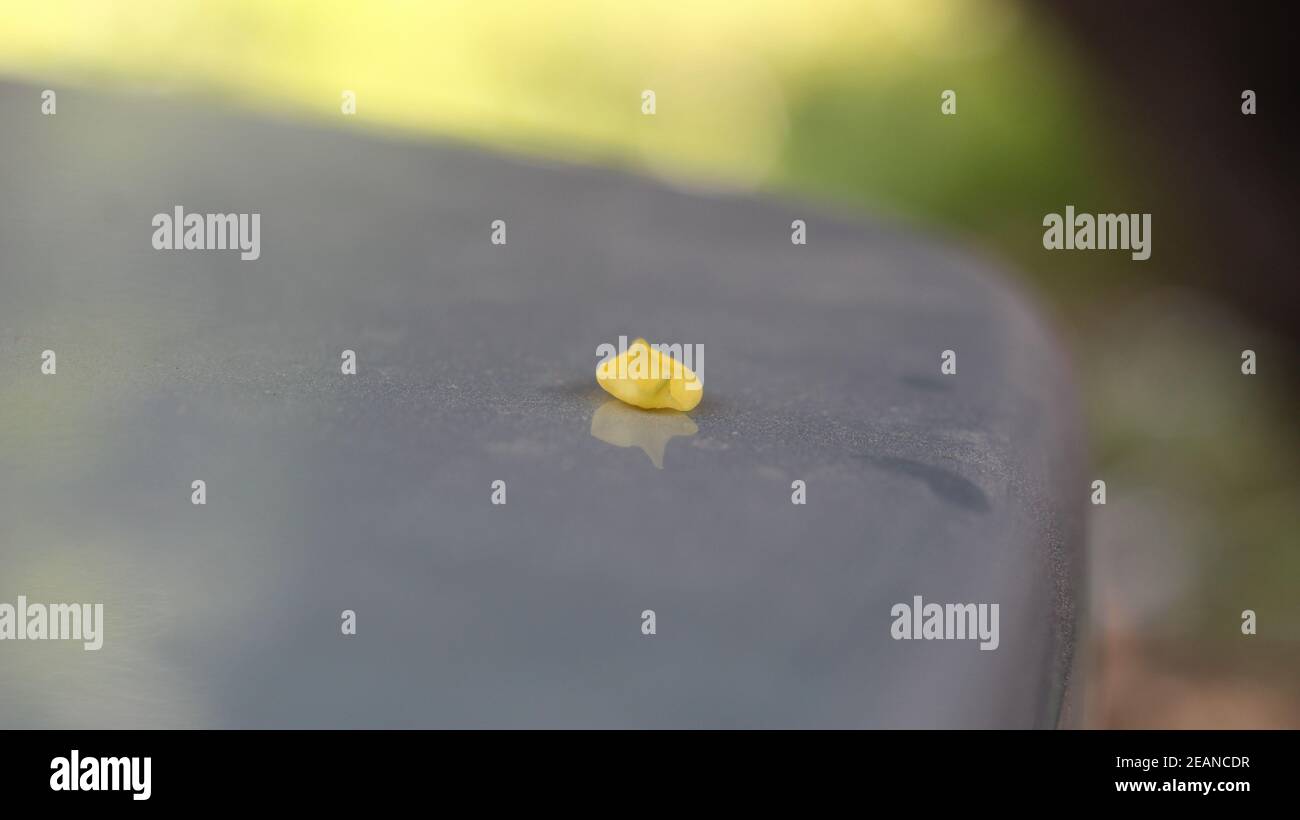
pixel 328 492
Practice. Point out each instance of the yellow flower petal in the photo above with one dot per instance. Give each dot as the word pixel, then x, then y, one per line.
pixel 644 377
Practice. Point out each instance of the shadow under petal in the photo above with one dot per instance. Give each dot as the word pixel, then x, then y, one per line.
pixel 625 426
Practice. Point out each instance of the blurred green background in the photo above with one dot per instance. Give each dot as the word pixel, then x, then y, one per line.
pixel 839 102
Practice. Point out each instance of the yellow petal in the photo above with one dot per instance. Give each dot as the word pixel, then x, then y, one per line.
pixel 644 377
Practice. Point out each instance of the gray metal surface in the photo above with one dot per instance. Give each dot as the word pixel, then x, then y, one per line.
pixel 371 492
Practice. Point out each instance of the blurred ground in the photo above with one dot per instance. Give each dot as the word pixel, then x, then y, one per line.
pixel 1200 521
pixel 1107 106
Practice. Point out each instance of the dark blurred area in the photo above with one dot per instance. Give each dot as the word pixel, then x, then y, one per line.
pixel 1175 73
pixel 1169 572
